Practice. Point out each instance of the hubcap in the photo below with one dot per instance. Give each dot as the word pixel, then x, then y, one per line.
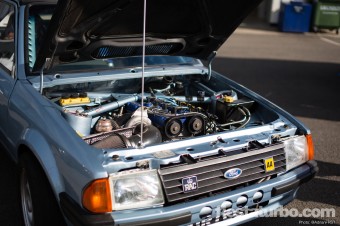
pixel 26 200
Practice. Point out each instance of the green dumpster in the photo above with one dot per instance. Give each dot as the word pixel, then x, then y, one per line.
pixel 327 15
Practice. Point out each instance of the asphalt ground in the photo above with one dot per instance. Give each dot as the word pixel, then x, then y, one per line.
pixel 299 72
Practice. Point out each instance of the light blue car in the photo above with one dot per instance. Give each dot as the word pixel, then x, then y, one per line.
pixel 112 127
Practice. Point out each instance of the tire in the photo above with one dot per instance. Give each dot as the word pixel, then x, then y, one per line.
pixel 38 203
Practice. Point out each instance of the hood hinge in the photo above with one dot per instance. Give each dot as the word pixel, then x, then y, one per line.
pixel 210 60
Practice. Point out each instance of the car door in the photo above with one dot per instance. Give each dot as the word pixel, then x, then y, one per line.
pixel 7 64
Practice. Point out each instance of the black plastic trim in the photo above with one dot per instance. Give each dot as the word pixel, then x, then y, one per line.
pixel 78 216
pixel 281 189
pixel 183 218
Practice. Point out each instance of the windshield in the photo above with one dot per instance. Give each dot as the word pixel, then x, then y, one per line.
pixel 37 24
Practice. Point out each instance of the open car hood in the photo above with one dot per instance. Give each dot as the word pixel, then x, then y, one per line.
pixel 86 29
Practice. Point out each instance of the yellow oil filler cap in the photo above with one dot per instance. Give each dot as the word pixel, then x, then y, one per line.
pixel 74 99
pixel 228 99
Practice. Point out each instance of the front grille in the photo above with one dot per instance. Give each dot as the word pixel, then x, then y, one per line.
pixel 210 172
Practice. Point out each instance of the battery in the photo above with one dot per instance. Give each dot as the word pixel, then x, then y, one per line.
pixel 226 110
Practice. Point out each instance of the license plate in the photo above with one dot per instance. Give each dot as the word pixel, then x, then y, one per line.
pixel 269 164
pixel 189 184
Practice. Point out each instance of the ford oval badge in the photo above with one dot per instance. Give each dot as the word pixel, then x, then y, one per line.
pixel 233 173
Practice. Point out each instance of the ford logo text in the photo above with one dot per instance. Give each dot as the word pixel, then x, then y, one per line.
pixel 233 173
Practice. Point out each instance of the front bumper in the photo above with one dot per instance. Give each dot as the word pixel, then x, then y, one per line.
pixel 276 192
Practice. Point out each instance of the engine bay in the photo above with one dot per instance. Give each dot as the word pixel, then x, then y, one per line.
pixel 115 114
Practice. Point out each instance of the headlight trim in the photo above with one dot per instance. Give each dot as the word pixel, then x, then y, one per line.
pixel 296 149
pixel 148 183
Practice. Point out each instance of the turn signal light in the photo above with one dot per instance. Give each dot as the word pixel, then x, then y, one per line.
pixel 310 146
pixel 97 197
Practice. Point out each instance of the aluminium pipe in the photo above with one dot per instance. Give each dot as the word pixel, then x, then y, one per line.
pixel 110 106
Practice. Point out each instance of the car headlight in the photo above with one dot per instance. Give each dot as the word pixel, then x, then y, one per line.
pixel 135 189
pixel 297 151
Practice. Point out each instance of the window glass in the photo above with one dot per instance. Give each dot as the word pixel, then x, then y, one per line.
pixel 7 47
pixel 38 20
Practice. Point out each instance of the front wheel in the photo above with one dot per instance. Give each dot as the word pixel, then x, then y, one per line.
pixel 26 199
pixel 38 204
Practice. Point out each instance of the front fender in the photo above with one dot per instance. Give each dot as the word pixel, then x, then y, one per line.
pixel 69 163
pixel 46 156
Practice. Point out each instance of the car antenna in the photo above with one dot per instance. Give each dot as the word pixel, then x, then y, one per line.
pixel 42 75
pixel 143 66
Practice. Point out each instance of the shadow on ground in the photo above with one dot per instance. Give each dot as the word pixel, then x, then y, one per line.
pixel 9 192
pixel 321 189
pixel 307 89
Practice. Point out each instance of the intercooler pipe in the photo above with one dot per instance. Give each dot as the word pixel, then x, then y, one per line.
pixel 110 106
pixel 192 99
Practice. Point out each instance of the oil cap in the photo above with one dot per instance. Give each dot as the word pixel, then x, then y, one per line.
pixel 228 99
